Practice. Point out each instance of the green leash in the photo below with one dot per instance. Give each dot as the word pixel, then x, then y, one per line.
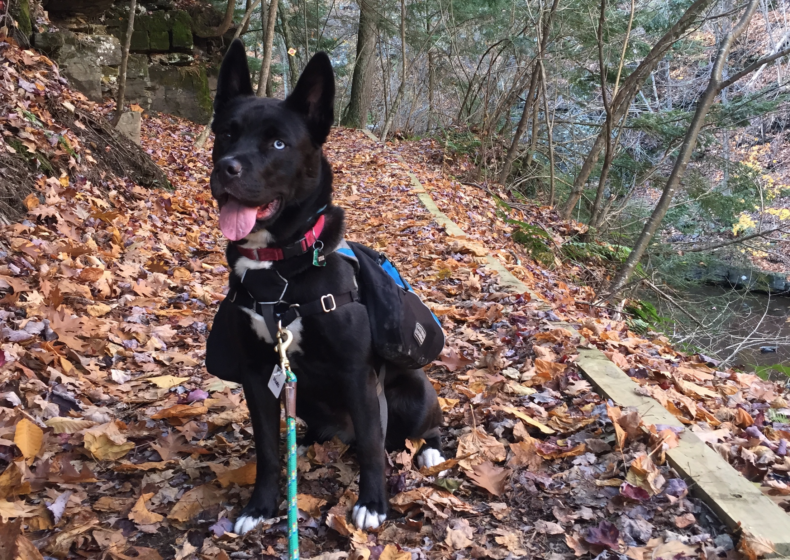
pixel 284 339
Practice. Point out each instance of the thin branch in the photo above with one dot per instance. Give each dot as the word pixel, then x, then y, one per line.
pixel 752 67
pixel 721 244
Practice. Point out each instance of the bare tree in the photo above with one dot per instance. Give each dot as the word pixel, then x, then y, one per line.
pixel 203 136
pixel 402 87
pixel 124 64
pixel 533 94
pixel 596 216
pixel 631 86
pixel 715 85
pixel 268 46
pixel 222 28
pixel 356 113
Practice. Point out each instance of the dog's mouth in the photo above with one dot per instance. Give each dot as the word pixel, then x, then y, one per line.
pixel 237 220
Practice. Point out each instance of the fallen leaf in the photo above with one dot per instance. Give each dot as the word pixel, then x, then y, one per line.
pixel 754 546
pixel 310 504
pixel 98 310
pixel 479 446
pixel 140 513
pixel 548 527
pixel 528 419
pixel 11 481
pixel 65 425
pixel 643 473
pixel 685 520
pixel 548 370
pixel 106 442
pixel 28 438
pixel 195 501
pixel 489 476
pixel 243 476
pixel 525 455
pixel 459 534
pixel 180 411
pixel 605 534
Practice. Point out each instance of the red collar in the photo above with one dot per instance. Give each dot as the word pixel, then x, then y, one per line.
pixel 280 253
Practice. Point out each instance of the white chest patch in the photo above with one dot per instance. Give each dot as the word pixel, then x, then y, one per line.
pixel 260 328
pixel 256 240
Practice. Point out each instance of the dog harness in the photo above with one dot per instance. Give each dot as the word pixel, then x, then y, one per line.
pixel 278 313
pixel 262 291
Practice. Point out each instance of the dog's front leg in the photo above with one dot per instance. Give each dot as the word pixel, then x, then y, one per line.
pixel 370 510
pixel 265 415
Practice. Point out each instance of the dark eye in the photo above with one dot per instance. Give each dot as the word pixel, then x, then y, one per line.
pixel 279 145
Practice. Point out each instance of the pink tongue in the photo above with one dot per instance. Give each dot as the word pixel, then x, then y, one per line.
pixel 236 220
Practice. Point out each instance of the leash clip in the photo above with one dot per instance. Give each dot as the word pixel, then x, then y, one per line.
pixel 284 340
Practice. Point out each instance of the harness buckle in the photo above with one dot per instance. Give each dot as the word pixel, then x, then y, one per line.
pixel 331 299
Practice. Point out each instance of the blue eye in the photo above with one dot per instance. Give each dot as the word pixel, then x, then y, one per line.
pixel 279 145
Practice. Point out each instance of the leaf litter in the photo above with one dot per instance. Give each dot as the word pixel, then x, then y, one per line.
pixel 115 442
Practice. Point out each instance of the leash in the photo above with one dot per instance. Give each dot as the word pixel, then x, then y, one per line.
pixel 284 339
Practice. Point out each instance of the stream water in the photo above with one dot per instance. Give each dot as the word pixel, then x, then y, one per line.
pixel 751 327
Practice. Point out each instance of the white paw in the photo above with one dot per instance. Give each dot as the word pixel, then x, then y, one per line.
pixel 301 450
pixel 365 519
pixel 430 458
pixel 245 524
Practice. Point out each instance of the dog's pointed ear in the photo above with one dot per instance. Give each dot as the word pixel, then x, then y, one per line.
pixel 234 76
pixel 314 96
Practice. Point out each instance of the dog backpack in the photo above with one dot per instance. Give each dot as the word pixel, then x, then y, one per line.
pixel 404 330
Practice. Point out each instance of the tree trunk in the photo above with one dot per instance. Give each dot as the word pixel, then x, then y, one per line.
pixel 522 126
pixel 285 27
pixel 431 86
pixel 246 26
pixel 715 85
pixel 223 27
pixel 268 46
pixel 626 95
pixel 356 113
pixel 124 64
pixel 203 136
pixel 402 87
pixel 549 133
pixel 533 83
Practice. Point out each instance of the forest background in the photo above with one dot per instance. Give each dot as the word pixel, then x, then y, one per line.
pixel 658 125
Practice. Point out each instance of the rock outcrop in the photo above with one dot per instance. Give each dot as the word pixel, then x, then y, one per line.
pixel 167 71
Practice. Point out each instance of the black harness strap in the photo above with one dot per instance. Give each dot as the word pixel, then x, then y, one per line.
pixel 273 318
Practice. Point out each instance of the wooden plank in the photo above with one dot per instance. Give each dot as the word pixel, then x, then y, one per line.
pixel 737 502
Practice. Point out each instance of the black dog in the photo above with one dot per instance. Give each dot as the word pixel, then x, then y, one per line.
pixel 274 189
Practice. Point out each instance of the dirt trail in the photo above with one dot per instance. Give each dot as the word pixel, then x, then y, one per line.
pixel 116 443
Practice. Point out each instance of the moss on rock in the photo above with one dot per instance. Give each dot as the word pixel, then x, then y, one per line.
pixel 181 30
pixel 158 31
pixel 181 91
pixel 20 11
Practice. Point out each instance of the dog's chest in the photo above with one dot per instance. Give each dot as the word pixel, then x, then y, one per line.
pixel 262 331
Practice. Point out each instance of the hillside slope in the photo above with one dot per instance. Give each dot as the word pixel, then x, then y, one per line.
pixel 116 442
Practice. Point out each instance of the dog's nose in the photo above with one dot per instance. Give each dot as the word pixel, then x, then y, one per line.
pixel 230 168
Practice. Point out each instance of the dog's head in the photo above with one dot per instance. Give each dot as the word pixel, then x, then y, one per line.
pixel 267 153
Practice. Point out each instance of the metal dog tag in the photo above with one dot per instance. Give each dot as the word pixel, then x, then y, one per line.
pixel 318 258
pixel 276 381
